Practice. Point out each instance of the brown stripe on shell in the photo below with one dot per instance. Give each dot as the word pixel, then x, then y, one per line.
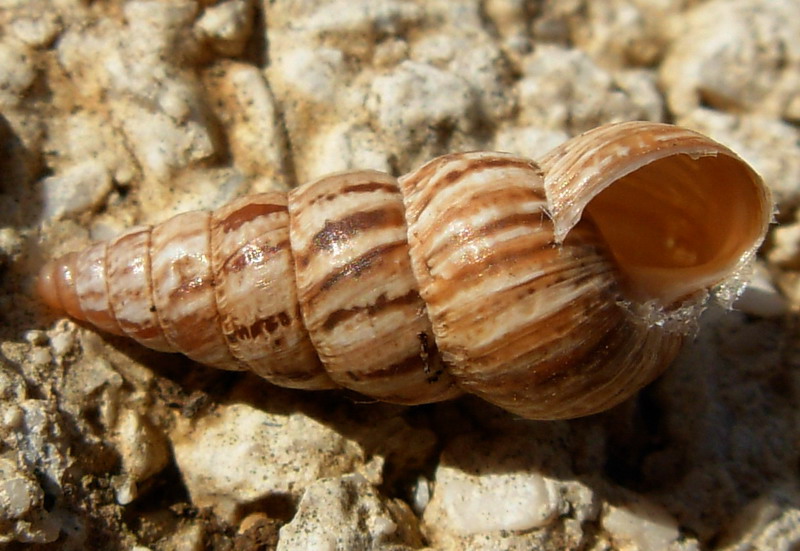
pixel 262 329
pixel 470 216
pixel 358 296
pixel 475 207
pixel 460 166
pixel 371 260
pixel 367 187
pixel 91 286
pixel 345 314
pixel 247 210
pixel 130 289
pixel 372 186
pixel 336 232
pixel 472 282
pixel 351 291
pixel 627 356
pixel 184 298
pixel 414 369
pixel 475 311
pixel 409 365
pixel 523 315
pixel 533 253
pixel 561 319
pixel 252 252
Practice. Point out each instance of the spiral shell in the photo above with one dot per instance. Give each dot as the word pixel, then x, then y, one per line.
pixel 554 291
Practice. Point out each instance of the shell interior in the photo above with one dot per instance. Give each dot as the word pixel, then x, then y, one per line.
pixel 680 224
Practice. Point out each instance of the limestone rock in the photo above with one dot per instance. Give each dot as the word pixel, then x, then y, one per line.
pixel 503 498
pixel 564 89
pixel 736 56
pixel 771 521
pixel 238 454
pixel 361 519
pixel 761 297
pixel 227 25
pixel 81 187
pixel 641 524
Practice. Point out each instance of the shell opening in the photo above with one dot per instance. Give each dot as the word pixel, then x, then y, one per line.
pixel 680 224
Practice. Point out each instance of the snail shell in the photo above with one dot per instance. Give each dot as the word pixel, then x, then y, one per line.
pixel 554 292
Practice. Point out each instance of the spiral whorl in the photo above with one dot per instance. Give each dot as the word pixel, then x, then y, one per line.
pixel 547 291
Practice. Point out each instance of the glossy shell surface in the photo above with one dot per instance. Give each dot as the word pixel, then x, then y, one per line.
pixel 553 291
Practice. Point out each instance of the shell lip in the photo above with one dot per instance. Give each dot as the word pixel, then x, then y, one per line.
pixel 701 209
pixel 564 222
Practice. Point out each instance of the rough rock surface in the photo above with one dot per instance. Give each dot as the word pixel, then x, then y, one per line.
pixel 124 112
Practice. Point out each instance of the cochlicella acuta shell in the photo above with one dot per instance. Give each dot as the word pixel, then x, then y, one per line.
pixel 552 291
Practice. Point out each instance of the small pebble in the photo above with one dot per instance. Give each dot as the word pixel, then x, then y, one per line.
pixel 760 297
pixel 75 190
pixel 785 251
pixel 640 523
pixel 237 454
pixel 17 75
pixel 37 31
pixel 361 517
pixel 492 502
pixel 227 25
